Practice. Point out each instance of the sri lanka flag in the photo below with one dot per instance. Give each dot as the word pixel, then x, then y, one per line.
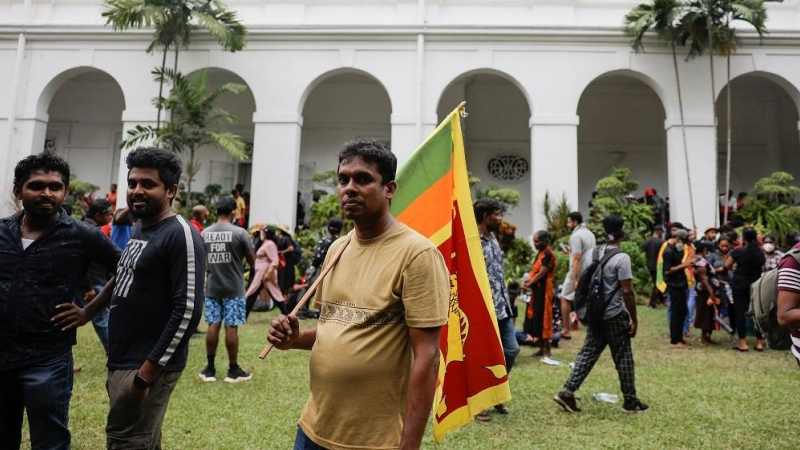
pixel 433 197
pixel 688 253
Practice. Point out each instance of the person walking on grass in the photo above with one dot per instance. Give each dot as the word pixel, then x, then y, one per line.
pixel 618 327
pixel 489 216
pixel 375 350
pixel 226 245
pixel 581 243
pixel 44 256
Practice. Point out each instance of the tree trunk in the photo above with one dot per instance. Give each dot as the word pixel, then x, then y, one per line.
pixel 683 132
pixel 161 87
pixel 189 178
pixel 714 96
pixel 728 151
pixel 175 73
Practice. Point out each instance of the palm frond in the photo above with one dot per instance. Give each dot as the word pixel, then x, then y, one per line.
pixel 231 143
pixel 223 25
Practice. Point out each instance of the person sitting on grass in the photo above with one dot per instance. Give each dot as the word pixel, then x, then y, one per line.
pixel 618 327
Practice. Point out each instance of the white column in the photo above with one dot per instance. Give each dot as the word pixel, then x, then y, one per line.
pixel 130 119
pixel 554 162
pixel 404 136
pixel 26 138
pixel 276 161
pixel 703 170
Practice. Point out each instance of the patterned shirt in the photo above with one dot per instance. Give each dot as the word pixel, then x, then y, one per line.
pixel 493 256
pixel 789 281
pixel 772 260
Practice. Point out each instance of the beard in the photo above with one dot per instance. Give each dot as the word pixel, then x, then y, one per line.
pixel 149 211
pixel 35 211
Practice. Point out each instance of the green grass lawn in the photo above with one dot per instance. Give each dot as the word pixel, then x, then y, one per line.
pixel 700 398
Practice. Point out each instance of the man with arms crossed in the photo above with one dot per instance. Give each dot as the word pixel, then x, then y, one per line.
pixel 581 243
pixel 44 256
pixel 375 350
pixel 226 245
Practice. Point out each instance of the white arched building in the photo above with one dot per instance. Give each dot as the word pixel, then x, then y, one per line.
pixel 550 84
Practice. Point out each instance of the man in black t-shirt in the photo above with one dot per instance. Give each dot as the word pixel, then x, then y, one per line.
pixel 156 303
pixel 677 286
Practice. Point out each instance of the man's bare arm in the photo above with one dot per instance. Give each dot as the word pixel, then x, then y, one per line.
pixel 72 316
pixel 421 385
pixel 285 334
pixel 789 309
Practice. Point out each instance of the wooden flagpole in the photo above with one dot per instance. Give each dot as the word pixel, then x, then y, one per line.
pixel 310 291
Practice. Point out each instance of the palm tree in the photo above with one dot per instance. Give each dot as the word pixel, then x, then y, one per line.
pixel 663 17
pixel 707 27
pixel 174 21
pixel 192 105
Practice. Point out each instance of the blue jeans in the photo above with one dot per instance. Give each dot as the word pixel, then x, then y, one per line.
pixel 99 321
pixel 302 442
pixel 508 338
pixel 43 390
pixel 691 303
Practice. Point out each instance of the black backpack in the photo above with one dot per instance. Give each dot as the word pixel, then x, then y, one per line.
pixel 591 300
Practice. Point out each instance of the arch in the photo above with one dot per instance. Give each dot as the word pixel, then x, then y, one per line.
pixel 497 134
pixel 764 131
pixel 487 71
pixel 632 136
pixel 791 90
pixel 219 167
pixel 50 89
pixel 335 72
pixel 239 79
pixel 644 78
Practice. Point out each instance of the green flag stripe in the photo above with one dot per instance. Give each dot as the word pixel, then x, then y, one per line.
pixel 425 167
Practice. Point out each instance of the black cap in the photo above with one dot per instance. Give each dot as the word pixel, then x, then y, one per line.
pixel 678 225
pixel 335 224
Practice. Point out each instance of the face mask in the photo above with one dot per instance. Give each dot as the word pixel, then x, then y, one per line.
pixel 769 248
pixel 679 246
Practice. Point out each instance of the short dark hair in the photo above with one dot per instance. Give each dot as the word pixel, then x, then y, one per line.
pixel 98 206
pixel 49 162
pixel 226 205
pixel 576 216
pixel 486 206
pixel 166 162
pixel 543 235
pixel 613 227
pixel 372 152
pixel 335 225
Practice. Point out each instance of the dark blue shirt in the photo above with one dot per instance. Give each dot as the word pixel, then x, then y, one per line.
pixel 33 281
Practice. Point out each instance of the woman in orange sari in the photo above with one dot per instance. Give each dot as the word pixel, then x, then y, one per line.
pixel 539 314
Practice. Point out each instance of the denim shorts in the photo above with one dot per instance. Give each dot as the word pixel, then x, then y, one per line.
pixel 231 309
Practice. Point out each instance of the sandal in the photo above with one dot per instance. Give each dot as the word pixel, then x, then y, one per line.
pixel 483 416
pixel 501 408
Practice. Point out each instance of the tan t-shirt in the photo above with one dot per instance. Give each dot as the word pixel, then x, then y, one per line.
pixel 362 357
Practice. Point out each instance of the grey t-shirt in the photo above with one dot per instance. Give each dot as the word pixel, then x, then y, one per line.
pixel 616 269
pixel 582 241
pixel 226 245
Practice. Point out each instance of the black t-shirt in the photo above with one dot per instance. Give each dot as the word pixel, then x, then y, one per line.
pixel 672 258
pixel 651 248
pixel 158 297
pixel 749 264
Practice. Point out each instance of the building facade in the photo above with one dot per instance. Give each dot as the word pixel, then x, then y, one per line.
pixel 556 97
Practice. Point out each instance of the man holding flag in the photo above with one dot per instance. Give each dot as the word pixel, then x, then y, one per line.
pixel 375 351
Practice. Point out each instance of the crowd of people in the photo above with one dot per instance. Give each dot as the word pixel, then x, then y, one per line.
pixel 381 309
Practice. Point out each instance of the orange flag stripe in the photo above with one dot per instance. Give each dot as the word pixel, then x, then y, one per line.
pixel 426 215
